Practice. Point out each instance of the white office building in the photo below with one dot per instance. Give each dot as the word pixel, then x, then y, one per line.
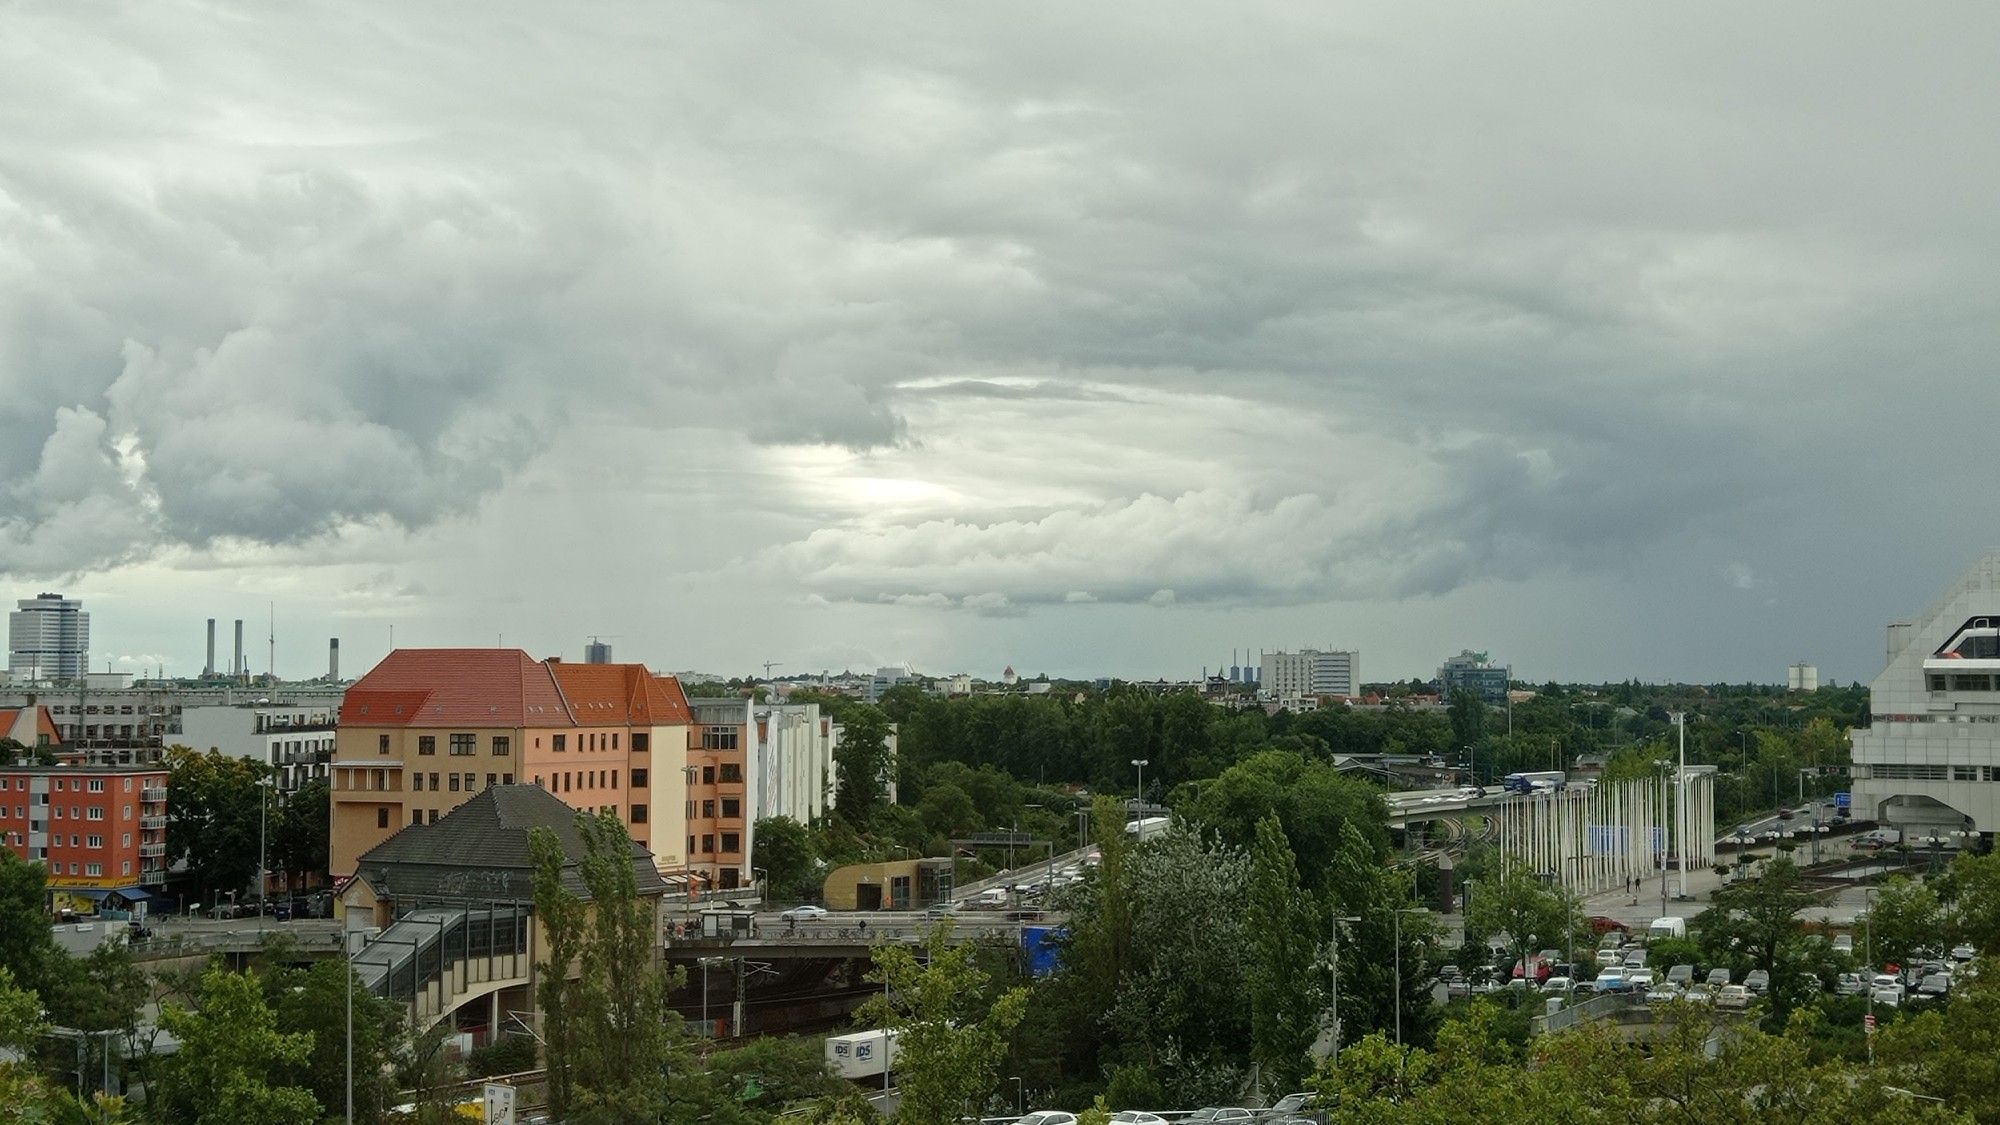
pixel 794 764
pixel 1930 760
pixel 1310 672
pixel 295 741
pixel 48 638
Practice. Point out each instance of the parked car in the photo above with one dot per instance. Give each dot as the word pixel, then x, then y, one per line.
pixel 1202 1116
pixel 1048 1117
pixel 1558 984
pixel 1292 1105
pixel 1963 953
pixel 1682 975
pixel 1610 980
pixel 1733 996
pixel 1662 993
pixel 1699 994
pixel 1935 985
pixel 1639 979
pixel 805 913
pixel 1718 976
pixel 1851 984
pixel 1889 995
pixel 1231 1116
pixel 1137 1117
pixel 1843 943
pixel 1635 958
pixel 1757 981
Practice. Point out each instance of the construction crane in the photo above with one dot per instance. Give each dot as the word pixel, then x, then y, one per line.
pixel 770 664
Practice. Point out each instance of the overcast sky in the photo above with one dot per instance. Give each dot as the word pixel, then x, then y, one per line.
pixel 1094 339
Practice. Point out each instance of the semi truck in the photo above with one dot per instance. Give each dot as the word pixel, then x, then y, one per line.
pixel 1545 781
pixel 860 1054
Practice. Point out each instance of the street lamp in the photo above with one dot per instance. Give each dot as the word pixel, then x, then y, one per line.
pixel 1020 1100
pixel 263 875
pixel 1334 1008
pixel 1399 912
pixel 1142 763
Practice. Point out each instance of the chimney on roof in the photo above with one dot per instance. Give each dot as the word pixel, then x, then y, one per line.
pixel 208 669
pixel 333 658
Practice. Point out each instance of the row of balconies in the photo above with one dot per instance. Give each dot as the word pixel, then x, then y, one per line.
pixel 148 851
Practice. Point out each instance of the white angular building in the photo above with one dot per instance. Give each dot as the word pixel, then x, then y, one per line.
pixel 794 766
pixel 1310 672
pixel 1930 761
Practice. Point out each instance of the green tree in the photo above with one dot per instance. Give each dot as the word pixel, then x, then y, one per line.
pixel 1313 801
pixel 1974 883
pixel 609 1025
pixel 212 817
pixel 1363 887
pixel 1903 919
pixel 947 811
pixel 949 1039
pixel 862 763
pixel 299 832
pixel 1468 717
pixel 784 851
pixel 232 1058
pixel 314 1002
pixel 1757 922
pixel 1283 947
pixel 1526 913
pixel 27 948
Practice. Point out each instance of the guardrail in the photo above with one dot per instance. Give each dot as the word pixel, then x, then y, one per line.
pixel 860 932
pixel 1597 1007
pixel 202 943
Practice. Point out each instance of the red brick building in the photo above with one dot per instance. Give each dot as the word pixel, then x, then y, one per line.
pixel 102 831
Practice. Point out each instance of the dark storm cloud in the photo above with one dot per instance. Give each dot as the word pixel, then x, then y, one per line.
pixel 1255 303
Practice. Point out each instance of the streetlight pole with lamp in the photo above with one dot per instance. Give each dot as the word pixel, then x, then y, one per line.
pixel 1334 1007
pixel 1142 763
pixel 1398 939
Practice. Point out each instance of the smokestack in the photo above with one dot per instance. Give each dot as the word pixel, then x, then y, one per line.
pixel 236 668
pixel 333 658
pixel 208 669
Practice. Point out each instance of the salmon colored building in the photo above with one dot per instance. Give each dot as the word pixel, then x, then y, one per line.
pixel 427 729
pixel 102 831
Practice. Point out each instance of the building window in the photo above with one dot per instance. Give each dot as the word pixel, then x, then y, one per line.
pixel 416 816
pixel 614 740
pixel 128 867
pixel 638 814
pixel 708 809
pixel 718 738
pixel 454 782
pixel 690 815
pixel 490 779
pixel 96 841
pixel 731 807
pixel 708 775
pixel 640 741
pixel 731 842
pixel 417 783
pixel 93 869
pixel 503 745
pixel 128 839
pixel 97 785
pixel 464 744
pixel 638 779
pixel 427 744
pixel 96 812
pixel 381 744
pixel 433 818
pixel 731 772
pixel 506 779
pixel 690 845
pixel 382 817
pixel 708 843
pixel 559 742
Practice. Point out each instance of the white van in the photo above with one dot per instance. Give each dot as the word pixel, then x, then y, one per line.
pixel 1667 928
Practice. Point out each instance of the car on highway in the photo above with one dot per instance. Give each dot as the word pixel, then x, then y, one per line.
pixel 805 913
pixel 1470 792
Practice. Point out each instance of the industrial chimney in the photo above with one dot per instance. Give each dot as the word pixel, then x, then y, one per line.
pixel 236 668
pixel 333 658
pixel 208 669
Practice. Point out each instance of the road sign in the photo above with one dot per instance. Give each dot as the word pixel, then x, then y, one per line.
pixel 1843 800
pixel 1869 1022
pixel 499 1104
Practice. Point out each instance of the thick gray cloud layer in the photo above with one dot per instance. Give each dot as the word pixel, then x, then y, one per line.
pixel 1045 306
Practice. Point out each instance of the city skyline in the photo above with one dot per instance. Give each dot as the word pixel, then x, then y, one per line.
pixel 1088 343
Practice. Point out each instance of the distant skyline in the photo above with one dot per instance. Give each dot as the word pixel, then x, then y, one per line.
pixel 1617 343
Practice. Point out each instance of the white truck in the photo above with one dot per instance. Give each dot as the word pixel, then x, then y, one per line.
pixel 860 1054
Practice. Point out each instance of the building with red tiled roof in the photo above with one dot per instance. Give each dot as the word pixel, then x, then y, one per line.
pixel 29 726
pixel 427 729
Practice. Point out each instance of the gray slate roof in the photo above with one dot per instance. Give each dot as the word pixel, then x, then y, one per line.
pixel 479 851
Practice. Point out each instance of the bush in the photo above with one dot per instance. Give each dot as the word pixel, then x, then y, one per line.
pixel 509 1054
